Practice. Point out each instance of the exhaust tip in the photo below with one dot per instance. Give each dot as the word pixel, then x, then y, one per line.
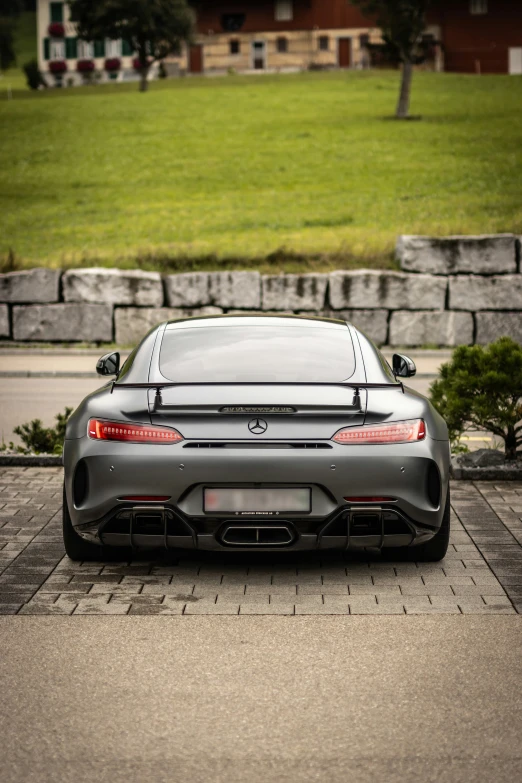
pixel 277 535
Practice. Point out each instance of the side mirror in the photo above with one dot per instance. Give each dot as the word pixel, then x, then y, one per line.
pixel 108 364
pixel 403 366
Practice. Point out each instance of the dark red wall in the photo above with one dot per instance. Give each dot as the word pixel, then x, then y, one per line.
pixel 260 15
pixel 484 38
pixel 467 38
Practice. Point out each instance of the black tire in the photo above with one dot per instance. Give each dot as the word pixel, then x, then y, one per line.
pixel 75 546
pixel 430 552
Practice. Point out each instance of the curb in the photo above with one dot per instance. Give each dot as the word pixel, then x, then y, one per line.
pixel 47 374
pixel 30 460
pixel 496 473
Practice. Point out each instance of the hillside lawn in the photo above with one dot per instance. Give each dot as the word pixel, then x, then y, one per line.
pixel 281 172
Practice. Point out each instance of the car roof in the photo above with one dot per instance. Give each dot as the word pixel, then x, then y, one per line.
pixel 257 319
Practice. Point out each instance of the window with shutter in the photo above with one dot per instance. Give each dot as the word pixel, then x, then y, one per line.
pixel 57 48
pixel 113 47
pixel 99 48
pixel 284 10
pixel 478 7
pixel 126 48
pixel 85 50
pixel 324 43
pixel 56 10
pixel 47 50
pixel 71 48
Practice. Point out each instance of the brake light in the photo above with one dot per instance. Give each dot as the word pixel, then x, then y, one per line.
pixel 131 433
pixel 396 432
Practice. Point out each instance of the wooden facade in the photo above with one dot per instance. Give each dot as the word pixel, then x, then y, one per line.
pixel 476 36
pixel 480 36
pixel 270 16
pixel 277 35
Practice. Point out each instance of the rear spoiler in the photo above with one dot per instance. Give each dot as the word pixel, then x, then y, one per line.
pixel 158 401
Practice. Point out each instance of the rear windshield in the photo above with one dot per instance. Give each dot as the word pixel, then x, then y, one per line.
pixel 253 354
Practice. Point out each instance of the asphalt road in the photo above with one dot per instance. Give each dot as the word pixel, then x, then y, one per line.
pixel 368 699
pixel 24 399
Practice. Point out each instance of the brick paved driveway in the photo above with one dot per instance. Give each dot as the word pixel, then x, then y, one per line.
pixel 482 572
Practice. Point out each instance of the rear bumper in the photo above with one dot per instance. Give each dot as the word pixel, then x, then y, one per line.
pixel 115 470
pixel 162 527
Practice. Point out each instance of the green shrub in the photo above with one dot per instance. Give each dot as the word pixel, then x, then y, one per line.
pixel 47 440
pixel 33 75
pixel 481 387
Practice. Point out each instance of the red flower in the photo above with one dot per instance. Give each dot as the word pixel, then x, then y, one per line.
pixel 112 64
pixel 58 66
pixel 56 30
pixel 85 66
pixel 136 63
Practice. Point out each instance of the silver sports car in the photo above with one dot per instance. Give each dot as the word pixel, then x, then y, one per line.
pixel 256 432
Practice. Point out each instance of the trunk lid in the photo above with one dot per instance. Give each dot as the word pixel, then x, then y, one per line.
pixel 258 412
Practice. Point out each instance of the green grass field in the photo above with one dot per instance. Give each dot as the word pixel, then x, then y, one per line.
pixel 291 172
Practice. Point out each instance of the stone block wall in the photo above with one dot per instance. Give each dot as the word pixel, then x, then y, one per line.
pixel 450 291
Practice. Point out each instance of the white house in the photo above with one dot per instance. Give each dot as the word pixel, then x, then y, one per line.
pixel 65 60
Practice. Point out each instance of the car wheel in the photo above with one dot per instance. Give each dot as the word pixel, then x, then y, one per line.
pixel 75 546
pixel 432 550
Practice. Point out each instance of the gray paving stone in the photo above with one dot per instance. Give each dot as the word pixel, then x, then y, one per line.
pixel 155 609
pixel 22 596
pixel 377 609
pixel 323 589
pixel 142 600
pixel 478 589
pixel 202 608
pixel 408 590
pixel 298 600
pixel 434 610
pixel 323 609
pixel 92 606
pixel 288 590
pixel 488 610
pixel 10 608
pixel 278 608
pixel 39 579
pixel 380 590
pixel 55 608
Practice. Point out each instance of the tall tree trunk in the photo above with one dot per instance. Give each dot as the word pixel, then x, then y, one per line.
pixel 144 84
pixel 511 444
pixel 403 107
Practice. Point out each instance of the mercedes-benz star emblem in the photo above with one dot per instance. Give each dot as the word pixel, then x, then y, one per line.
pixel 257 426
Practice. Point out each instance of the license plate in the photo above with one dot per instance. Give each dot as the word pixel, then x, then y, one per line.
pixel 277 500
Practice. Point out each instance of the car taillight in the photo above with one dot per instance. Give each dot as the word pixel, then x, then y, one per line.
pixel 396 432
pixel 132 433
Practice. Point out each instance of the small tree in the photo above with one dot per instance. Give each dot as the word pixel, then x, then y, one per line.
pixel 482 388
pixel 48 440
pixel 34 78
pixel 9 10
pixel 402 23
pixel 154 28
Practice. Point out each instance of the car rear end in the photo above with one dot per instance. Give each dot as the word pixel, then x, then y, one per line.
pixel 254 445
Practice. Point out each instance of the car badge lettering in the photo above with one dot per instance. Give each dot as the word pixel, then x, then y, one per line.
pixel 255 409
pixel 257 426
